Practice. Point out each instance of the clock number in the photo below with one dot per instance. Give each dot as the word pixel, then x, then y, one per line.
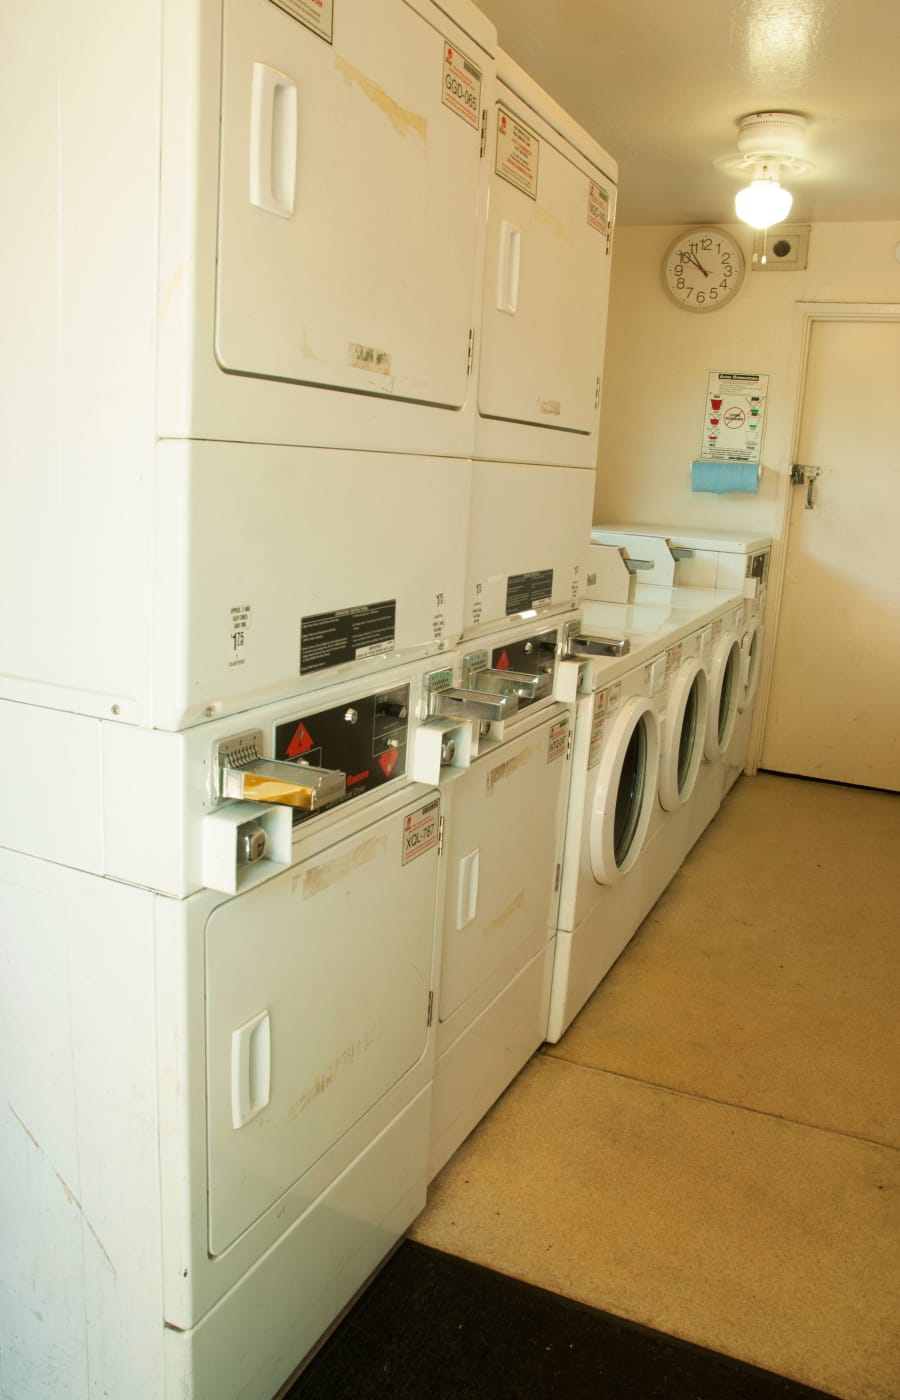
pixel 713 294
pixel 701 297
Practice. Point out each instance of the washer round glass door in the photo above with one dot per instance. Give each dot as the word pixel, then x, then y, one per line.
pixel 724 695
pixel 625 790
pixel 683 734
pixel 751 650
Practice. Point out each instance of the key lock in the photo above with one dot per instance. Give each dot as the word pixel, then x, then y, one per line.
pixel 801 475
pixel 240 773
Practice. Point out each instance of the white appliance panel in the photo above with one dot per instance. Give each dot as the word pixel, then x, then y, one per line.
pixel 257 542
pixel 356 920
pixel 503 838
pixel 526 540
pixel 546 286
pixel 353 265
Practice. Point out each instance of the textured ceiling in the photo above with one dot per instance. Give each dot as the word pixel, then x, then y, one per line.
pixel 662 86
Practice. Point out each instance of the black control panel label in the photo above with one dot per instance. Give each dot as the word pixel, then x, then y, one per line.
pixel 349 634
pixel 366 740
pixel 526 591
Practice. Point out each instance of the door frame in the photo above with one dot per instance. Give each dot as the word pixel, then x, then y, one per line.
pixel 806 315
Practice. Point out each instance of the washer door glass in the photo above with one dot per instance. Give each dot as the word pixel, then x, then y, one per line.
pixel 630 795
pixel 724 694
pixel 625 791
pixel 686 719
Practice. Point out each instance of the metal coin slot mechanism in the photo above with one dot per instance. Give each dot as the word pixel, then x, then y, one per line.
pixel 586 647
pixel 239 772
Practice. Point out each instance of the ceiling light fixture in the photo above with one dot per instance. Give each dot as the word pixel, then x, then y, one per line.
pixel 772 144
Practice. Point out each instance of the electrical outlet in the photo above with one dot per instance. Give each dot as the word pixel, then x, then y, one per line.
pixel 785 248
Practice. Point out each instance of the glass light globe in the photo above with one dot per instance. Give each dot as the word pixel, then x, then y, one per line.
pixel 763 203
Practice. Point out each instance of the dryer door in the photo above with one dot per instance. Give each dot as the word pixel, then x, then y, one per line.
pixel 317 987
pixel 724 695
pixel 546 277
pixel 348 203
pixel 625 790
pixel 683 734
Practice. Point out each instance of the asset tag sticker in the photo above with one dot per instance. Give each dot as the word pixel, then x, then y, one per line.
pixel 717 629
pixel 558 741
pixel 461 90
pixel 518 154
pixel 420 831
pixel 317 15
pixel 240 621
pixel 598 208
pixel 366 357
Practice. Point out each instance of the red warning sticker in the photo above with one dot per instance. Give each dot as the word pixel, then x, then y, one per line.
pixel 388 761
pixel 301 743
pixel 503 661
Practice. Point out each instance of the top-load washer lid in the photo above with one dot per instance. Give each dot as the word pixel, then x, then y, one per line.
pixel 724 695
pixel 625 790
pixel 684 733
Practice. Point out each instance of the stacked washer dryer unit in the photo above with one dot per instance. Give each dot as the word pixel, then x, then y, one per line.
pixel 218 934
pixel 543 325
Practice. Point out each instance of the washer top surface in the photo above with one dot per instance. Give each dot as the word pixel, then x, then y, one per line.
pixel 723 541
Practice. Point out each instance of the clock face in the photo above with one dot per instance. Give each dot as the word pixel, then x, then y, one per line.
pixel 703 270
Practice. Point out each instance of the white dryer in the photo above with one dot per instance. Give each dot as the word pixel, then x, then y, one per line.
pixel 505 808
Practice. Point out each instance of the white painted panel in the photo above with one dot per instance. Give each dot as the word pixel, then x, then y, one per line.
pixel 364 280
pixel 836 675
pixel 51 765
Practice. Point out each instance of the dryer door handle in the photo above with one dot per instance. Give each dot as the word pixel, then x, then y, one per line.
pixel 467 890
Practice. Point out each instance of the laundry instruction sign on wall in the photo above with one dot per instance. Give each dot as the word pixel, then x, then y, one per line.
pixel 733 416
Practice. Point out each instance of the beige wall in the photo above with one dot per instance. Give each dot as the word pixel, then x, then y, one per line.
pixel 658 358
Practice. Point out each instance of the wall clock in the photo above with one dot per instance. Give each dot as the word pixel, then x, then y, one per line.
pixel 703 269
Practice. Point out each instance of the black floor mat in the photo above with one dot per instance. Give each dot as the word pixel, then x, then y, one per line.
pixel 434 1327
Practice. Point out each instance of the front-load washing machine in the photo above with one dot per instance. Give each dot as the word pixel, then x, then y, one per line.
pixel 233 1079
pixel 613 803
pixel 504 817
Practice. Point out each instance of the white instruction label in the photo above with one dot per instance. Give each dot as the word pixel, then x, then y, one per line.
pixel 598 208
pixel 317 15
pixel 461 90
pixel 673 659
pixel 558 740
pixel 240 621
pixel 518 153
pixel 420 830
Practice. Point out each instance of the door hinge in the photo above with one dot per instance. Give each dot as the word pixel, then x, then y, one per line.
pixel 556 881
pixel 483 133
pixel 430 1007
pixel 440 834
pixel 471 351
pixel 568 746
pixel 597 393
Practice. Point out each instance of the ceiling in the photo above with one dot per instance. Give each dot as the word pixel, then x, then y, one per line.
pixel 661 86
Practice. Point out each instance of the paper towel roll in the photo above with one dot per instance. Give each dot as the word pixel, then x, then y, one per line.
pixel 724 477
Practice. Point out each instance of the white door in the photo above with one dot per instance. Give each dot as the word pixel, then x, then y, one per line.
pixel 349 185
pixel 546 277
pixel 836 674
pixel 317 987
pixel 504 832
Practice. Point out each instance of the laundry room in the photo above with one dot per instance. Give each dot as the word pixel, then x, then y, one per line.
pixel 448 893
